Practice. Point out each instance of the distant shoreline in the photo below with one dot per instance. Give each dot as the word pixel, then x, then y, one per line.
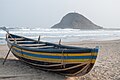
pixel 111 28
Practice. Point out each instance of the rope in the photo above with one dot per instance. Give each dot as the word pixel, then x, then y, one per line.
pixel 63 58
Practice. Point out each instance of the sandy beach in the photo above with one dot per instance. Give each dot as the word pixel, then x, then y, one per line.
pixel 107 66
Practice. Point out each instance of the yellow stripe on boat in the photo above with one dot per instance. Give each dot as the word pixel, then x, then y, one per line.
pixel 56 60
pixel 59 54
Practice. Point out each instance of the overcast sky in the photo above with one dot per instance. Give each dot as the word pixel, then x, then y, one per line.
pixel 46 13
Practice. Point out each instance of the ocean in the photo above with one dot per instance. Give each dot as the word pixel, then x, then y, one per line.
pixel 66 35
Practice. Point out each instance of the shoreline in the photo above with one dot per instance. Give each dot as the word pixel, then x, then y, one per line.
pixel 105 68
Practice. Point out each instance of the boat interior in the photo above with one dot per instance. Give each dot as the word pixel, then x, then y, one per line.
pixel 37 44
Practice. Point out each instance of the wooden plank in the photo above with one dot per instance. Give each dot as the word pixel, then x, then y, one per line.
pixel 42 47
pixel 31 45
pixel 24 41
pixel 16 38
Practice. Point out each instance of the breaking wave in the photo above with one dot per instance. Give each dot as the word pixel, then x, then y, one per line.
pixel 67 35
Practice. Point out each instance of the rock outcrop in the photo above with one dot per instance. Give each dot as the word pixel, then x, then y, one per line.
pixel 76 21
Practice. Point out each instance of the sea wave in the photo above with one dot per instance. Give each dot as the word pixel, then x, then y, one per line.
pixel 67 35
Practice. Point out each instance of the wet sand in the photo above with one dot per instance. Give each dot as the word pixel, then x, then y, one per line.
pixel 107 66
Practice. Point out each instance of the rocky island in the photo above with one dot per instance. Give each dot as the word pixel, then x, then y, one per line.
pixel 76 21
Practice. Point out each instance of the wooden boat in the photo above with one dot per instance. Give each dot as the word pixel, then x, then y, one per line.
pixel 66 60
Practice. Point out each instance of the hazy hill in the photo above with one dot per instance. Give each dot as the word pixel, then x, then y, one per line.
pixel 76 21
